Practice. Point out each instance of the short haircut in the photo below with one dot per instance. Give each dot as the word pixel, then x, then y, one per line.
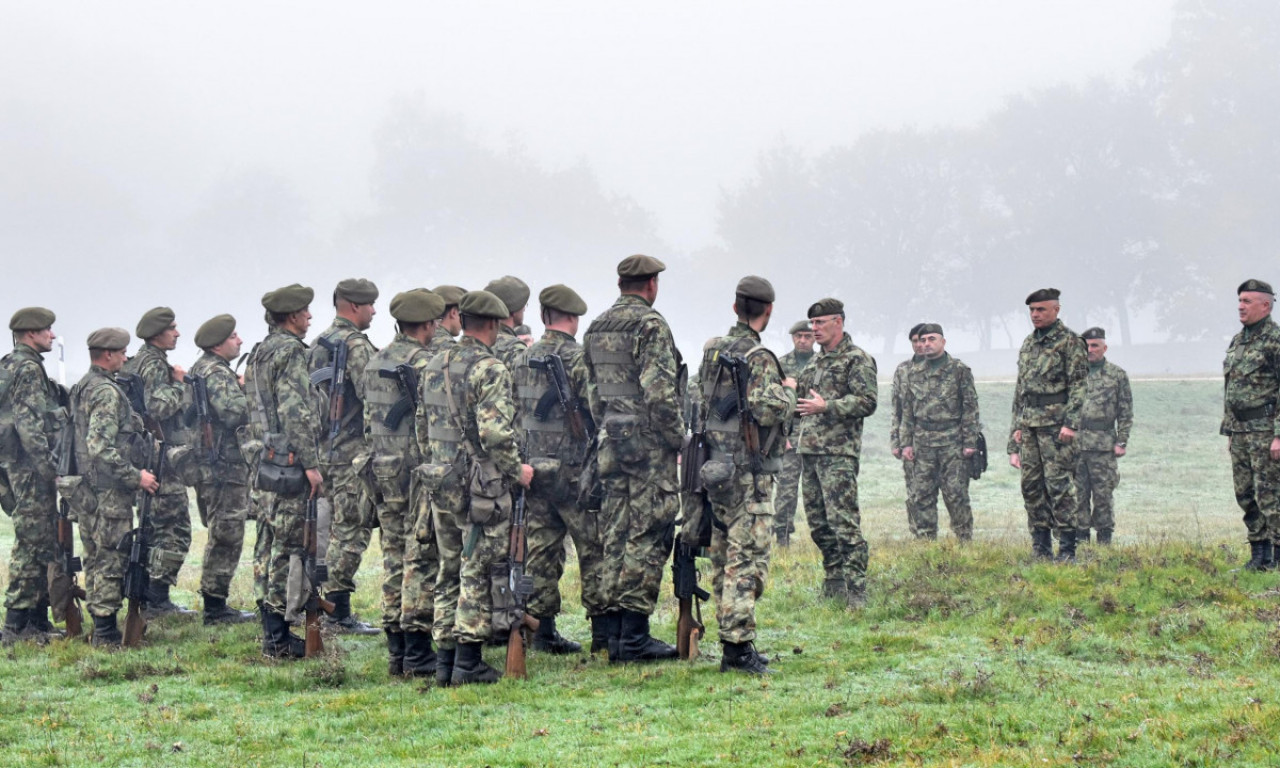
pixel 97 353
pixel 475 322
pixel 550 316
pixel 277 319
pixel 749 308
pixel 633 284
pixel 409 329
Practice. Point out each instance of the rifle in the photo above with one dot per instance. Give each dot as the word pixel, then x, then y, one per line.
pixel 202 414
pixel 684 578
pixel 406 377
pixel 336 374
pixel 740 372
pixel 137 580
pixel 521 586
pixel 317 573
pixel 64 554
pixel 581 425
pixel 135 391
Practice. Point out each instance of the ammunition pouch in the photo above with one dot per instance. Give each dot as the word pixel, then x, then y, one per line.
pixel 490 494
pixel 505 611
pixel 389 478
pixel 278 469
pixel 80 497
pixel 624 447
pixel 549 481
pixel 719 482
pixel 162 561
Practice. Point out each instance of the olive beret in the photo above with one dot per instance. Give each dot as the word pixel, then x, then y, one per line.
pixel 512 291
pixel 215 331
pixel 155 322
pixel 915 331
pixel 800 327
pixel 824 307
pixel 416 306
pixel 756 288
pixel 1094 333
pixel 451 294
pixel 562 298
pixel 522 330
pixel 483 304
pixel 927 328
pixel 1044 294
pixel 109 338
pixel 640 266
pixel 356 290
pixel 290 298
pixel 31 319
pixel 1256 286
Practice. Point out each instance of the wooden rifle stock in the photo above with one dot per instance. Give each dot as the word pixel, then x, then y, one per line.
pixel 75 593
pixel 515 647
pixel 134 625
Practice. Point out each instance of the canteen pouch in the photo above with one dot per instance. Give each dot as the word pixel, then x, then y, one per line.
pixel 623 448
pixel 718 482
pixel 490 495
pixel 278 470
pixel 79 495
pixel 389 479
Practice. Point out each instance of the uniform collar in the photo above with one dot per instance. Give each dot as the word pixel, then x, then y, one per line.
pixel 742 330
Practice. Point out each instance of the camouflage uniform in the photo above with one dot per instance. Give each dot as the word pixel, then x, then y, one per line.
pixel 895 444
pixel 830 444
pixel 788 481
pixel 1251 420
pixel 940 420
pixel 508 348
pixel 1104 423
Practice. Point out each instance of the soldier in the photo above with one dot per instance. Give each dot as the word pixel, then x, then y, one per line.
pixel 635 381
pixel 788 481
pixel 1104 435
pixel 451 321
pixel 343 443
pixel 283 417
pixel 738 476
pixel 222 492
pixel 557 446
pixel 1251 420
pixel 391 398
pixel 1047 401
pixel 841 387
pixel 895 426
pixel 525 334
pixel 36 409
pixel 106 430
pixel 939 432
pixel 471 436
pixel 515 295
pixel 163 392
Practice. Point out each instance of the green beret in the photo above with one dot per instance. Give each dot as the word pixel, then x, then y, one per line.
pixel 483 304
pixel 800 327
pixel 1044 294
pixel 356 290
pixel 522 330
pixel 927 328
pixel 417 306
pixel 756 288
pixel 513 292
pixel 290 298
pixel 215 331
pixel 155 322
pixel 824 307
pixel 915 331
pixel 562 298
pixel 31 319
pixel 451 294
pixel 640 266
pixel 1256 286
pixel 109 338
pixel 1094 333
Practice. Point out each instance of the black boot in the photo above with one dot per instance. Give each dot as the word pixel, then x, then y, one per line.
pixel 159 604
pixel 855 595
pixel 1104 538
pixel 216 611
pixel 784 539
pixel 548 640
pixel 742 657
pixel 38 621
pixel 1041 544
pixel 1082 536
pixel 342 620
pixel 419 659
pixel 600 633
pixel 1066 547
pixel 469 666
pixel 15 625
pixel 395 653
pixel 636 644
pixel 444 666
pixel 834 587
pixel 277 641
pixel 105 632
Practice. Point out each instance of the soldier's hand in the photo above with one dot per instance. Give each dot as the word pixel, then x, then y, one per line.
pixel 909 453
pixel 813 404
pixel 526 475
pixel 1275 449
pixel 1066 435
pixel 317 482
pixel 1120 450
pixel 148 482
pixel 897 453
pixel 1017 436
pixel 789 382
pixel 967 452
pixel 179 373
pixel 1015 461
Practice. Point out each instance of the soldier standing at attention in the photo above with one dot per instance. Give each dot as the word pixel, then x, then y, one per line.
pixel 353 514
pixel 1047 402
pixel 451 322
pixel 788 482
pixel 939 433
pixel 841 392
pixel 106 430
pixel 163 391
pixel 515 295
pixel 635 384
pixel 222 493
pixel 895 427
pixel 36 408
pixel 1251 419
pixel 1104 435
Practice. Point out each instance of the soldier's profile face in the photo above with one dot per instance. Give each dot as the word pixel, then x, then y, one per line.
pixel 42 341
pixel 1044 313
pixel 1097 349
pixel 803 341
pixel 166 339
pixel 229 349
pixel 1253 306
pixel 364 315
pixel 932 345
pixel 917 345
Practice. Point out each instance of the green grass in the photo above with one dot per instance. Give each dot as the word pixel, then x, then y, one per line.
pixel 1156 652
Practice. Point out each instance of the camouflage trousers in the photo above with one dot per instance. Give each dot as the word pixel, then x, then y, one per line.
pixel 448 526
pixel 740 556
pixel 1096 481
pixel 637 519
pixel 835 520
pixel 1048 479
pixel 353 517
pixel 395 519
pixel 280 523
pixel 223 509
pixel 34 535
pixel 787 496
pixel 170 535
pixel 419 568
pixel 913 492
pixel 946 470
pixel 101 532
pixel 1257 484
pixel 482 579
pixel 548 524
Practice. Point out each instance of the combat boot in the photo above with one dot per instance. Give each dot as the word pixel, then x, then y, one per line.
pixel 105 632
pixel 444 666
pixel 342 621
pixel 159 603
pixel 469 666
pixel 216 611
pixel 833 587
pixel 784 539
pixel 1082 536
pixel 38 622
pixel 742 657
pixel 548 640
pixel 419 659
pixel 600 633
pixel 1268 556
pixel 277 641
pixel 855 595
pixel 15 625
pixel 1104 537
pixel 1066 547
pixel 1041 544
pixel 636 644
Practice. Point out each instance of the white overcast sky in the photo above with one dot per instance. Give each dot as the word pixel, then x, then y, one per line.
pixel 668 101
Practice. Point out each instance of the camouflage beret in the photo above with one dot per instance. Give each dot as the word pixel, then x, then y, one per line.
pixel 1044 294
pixel 1256 286
pixel 927 328
pixel 512 291
pixel 915 331
pixel 562 298
pixel 215 331
pixel 356 290
pixel 154 322
pixel 483 304
pixel 290 298
pixel 451 294
pixel 31 319
pixel 416 306
pixel 640 266
pixel 756 288
pixel 109 338
pixel 800 327
pixel 824 307
pixel 1094 333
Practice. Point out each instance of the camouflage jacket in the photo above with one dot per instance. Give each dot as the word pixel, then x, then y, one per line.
pixel 384 390
pixel 1052 369
pixel 939 405
pixel 550 437
pixel 38 412
pixel 441 341
pixel 508 348
pixel 165 402
pixel 481 410
pixel 895 400
pixel 1108 408
pixel 1252 374
pixel 846 378
pixel 230 409
pixel 108 433
pixel 360 350
pixel 281 400
pixel 793 364
pixel 770 403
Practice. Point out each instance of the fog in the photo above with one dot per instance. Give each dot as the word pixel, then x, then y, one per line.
pixel 919 160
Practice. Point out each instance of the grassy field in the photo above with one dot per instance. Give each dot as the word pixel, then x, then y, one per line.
pixel 1156 652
